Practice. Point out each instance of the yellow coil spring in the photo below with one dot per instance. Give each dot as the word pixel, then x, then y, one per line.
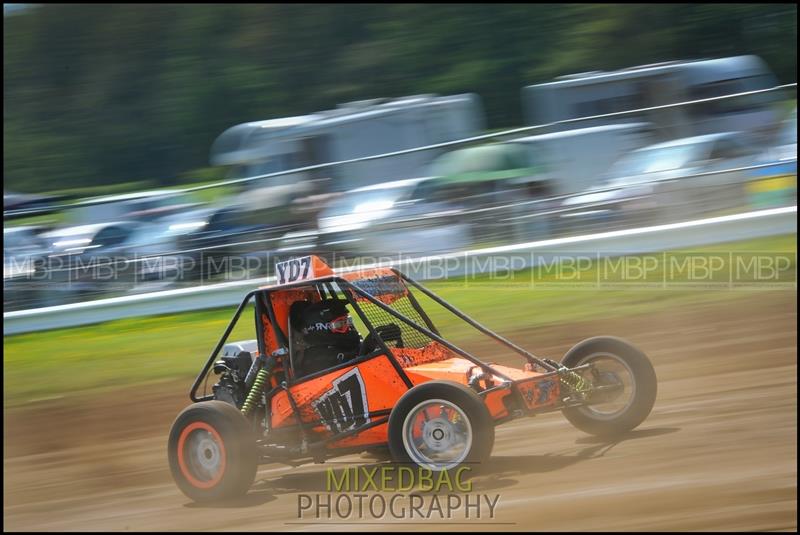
pixel 575 381
pixel 255 390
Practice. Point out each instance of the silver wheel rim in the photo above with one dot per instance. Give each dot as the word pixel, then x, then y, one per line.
pixel 203 454
pixel 609 363
pixel 437 434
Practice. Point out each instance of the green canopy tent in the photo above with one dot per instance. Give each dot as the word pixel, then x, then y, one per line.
pixel 499 161
pixel 497 174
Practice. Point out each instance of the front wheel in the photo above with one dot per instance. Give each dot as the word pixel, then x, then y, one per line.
pixel 441 425
pixel 625 384
pixel 212 452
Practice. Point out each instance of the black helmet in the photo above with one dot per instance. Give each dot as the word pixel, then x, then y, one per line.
pixel 329 336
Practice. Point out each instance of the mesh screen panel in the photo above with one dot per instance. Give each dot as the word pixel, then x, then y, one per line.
pixel 392 291
pixel 410 336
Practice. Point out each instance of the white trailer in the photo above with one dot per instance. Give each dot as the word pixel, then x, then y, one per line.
pixel 598 93
pixel 353 130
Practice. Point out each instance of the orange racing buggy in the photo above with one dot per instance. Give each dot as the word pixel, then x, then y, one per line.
pixel 311 387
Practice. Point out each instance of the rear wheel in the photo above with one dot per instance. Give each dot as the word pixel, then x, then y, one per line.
pixel 212 452
pixel 441 425
pixel 628 384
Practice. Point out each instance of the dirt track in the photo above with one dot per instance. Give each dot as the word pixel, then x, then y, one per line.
pixel 718 451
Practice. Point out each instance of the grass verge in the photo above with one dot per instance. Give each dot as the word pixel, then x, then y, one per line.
pixel 132 351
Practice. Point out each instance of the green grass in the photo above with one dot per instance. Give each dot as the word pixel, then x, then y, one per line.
pixel 138 350
pixel 531 298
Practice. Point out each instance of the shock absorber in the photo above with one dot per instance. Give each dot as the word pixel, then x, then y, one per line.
pixel 574 380
pixel 571 379
pixel 258 384
pixel 255 390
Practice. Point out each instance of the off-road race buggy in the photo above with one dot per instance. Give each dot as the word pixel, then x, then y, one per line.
pixel 310 387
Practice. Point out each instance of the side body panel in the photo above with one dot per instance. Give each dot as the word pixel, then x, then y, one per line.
pixel 341 400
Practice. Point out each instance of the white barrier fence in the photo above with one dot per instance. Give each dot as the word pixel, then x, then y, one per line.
pixel 665 237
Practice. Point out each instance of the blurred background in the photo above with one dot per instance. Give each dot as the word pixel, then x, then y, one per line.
pixel 134 136
pixel 158 159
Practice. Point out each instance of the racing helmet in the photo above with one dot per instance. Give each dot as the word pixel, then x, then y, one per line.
pixel 328 336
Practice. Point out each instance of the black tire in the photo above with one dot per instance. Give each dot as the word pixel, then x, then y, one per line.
pixel 467 400
pixel 238 451
pixel 643 377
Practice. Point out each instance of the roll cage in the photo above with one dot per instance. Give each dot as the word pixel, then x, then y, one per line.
pixel 357 288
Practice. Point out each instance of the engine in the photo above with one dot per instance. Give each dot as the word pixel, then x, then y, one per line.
pixel 232 369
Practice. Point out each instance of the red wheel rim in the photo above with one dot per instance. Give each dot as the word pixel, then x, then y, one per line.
pixel 207 449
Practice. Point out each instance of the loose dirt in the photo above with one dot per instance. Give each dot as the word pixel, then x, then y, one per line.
pixel 718 452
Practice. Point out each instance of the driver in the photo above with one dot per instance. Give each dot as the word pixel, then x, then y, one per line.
pixel 327 336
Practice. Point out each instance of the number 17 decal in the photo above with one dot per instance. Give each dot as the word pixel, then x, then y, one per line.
pixel 344 406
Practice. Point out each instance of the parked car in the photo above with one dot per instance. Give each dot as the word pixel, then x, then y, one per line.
pixel 156 249
pixel 239 234
pixel 667 182
pixel 347 223
pixel 24 258
pixel 141 206
pixel 123 256
pixel 85 259
pixel 472 196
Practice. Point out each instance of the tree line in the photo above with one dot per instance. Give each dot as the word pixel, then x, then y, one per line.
pixel 104 94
